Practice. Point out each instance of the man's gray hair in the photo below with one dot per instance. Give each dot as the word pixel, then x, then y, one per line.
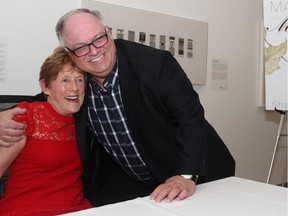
pixel 61 22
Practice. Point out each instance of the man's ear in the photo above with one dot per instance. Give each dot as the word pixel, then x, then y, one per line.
pixel 108 30
pixel 45 90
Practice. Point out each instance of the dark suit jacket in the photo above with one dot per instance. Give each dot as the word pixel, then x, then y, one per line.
pixel 165 117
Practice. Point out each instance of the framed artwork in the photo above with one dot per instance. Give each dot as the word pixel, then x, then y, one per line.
pixel 185 39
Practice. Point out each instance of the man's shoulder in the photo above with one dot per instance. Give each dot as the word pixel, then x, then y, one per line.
pixel 125 44
pixel 134 49
pixel 39 97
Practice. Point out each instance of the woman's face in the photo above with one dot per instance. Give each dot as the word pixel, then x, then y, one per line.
pixel 66 93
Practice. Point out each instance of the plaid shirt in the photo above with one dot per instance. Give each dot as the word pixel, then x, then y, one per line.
pixel 108 122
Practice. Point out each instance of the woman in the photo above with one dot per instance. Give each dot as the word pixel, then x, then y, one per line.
pixel 45 177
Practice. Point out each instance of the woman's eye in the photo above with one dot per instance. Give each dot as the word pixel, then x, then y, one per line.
pixel 80 80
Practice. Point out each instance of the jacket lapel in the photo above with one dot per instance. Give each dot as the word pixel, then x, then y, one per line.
pixel 127 86
pixel 81 119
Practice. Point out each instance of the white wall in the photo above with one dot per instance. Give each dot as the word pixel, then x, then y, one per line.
pixel 27 32
pixel 234 35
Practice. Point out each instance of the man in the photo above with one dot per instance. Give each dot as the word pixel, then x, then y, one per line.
pixel 141 119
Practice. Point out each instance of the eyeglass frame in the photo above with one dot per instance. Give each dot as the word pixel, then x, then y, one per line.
pixel 89 45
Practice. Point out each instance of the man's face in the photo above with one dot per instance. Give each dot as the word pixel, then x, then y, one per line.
pixel 81 29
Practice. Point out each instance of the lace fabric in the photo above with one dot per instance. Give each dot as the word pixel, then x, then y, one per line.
pixel 46 124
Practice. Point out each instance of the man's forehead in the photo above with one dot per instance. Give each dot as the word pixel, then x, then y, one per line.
pixel 81 28
pixel 81 19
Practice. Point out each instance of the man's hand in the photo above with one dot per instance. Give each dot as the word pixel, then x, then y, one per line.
pixel 10 130
pixel 176 187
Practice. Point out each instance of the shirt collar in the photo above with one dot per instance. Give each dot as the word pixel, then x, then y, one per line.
pixel 110 81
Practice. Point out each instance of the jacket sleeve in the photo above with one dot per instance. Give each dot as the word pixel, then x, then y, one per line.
pixel 187 116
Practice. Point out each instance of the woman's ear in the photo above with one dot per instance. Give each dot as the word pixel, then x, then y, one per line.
pixel 45 90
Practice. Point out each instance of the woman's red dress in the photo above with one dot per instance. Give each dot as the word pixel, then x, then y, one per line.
pixel 45 178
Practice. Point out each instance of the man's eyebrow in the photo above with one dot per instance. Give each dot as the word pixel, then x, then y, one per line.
pixel 95 37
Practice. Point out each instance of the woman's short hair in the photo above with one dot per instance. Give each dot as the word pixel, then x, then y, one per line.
pixel 55 63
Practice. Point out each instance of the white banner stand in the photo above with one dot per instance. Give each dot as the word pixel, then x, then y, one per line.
pixel 279 134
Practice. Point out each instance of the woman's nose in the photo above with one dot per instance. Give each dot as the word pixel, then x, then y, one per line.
pixel 74 85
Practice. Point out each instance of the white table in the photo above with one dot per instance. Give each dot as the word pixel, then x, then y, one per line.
pixel 231 196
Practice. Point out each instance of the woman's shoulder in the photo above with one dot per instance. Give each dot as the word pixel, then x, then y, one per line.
pixel 32 108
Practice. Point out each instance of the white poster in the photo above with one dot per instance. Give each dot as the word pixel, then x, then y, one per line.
pixel 275 46
pixel 3 54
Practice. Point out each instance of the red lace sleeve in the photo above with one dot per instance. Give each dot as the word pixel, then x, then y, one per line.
pixel 26 118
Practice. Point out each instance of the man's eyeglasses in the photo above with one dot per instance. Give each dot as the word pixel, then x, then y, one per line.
pixel 85 49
